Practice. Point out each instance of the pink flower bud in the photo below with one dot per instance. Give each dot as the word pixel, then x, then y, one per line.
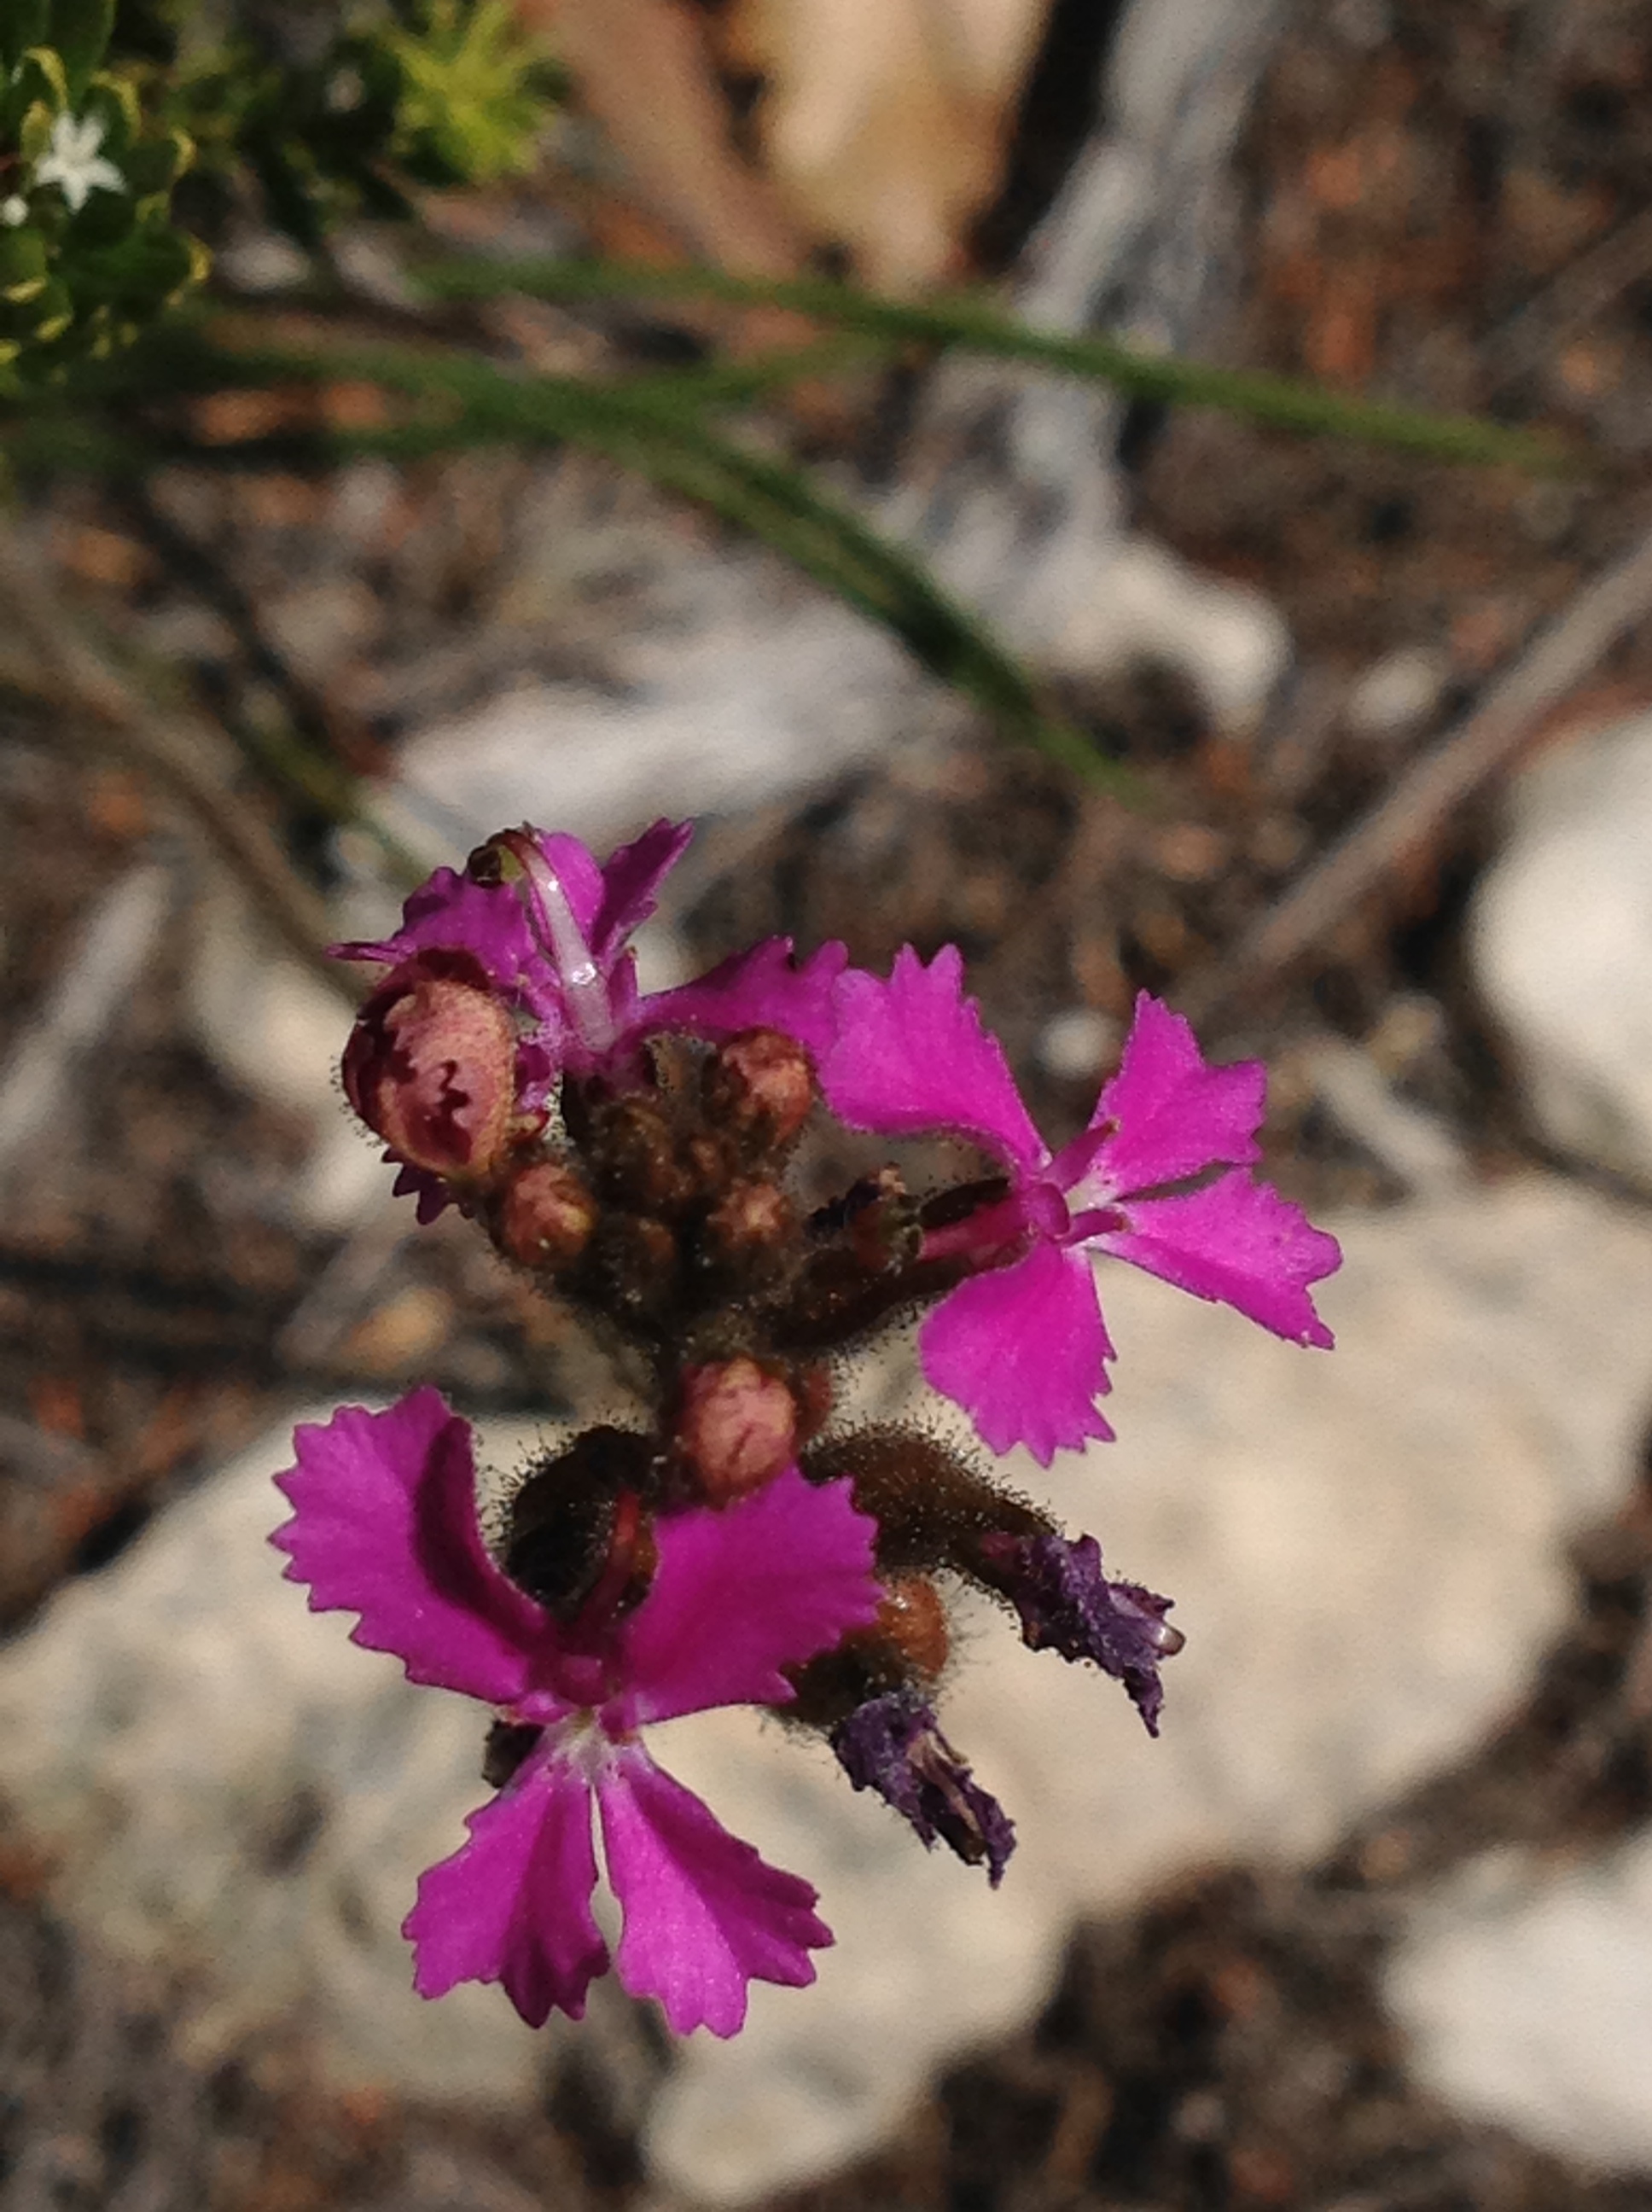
pixel 737 1426
pixel 751 1233
pixel 762 1084
pixel 431 1068
pixel 545 1216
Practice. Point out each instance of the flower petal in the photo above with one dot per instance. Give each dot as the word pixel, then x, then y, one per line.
pixel 1237 1242
pixel 385 1525
pixel 912 1055
pixel 1175 1114
pixel 452 913
pixel 704 1915
pixel 631 877
pixel 513 1904
pixel 1022 1350
pixel 579 874
pixel 740 1593
pixel 766 988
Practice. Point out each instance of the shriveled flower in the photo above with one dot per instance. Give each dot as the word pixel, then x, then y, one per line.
pixel 1021 1344
pixel 385 1525
pixel 547 928
pixel 74 162
pixel 1066 1604
pixel 892 1744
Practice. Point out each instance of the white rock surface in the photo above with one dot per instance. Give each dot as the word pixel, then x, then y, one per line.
pixel 1527 2001
pixel 1364 1550
pixel 1560 937
pixel 231 1781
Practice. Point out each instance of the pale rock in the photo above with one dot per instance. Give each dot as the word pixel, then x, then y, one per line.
pixel 1366 1553
pixel 1560 938
pixel 1365 1550
pixel 228 1785
pixel 1398 693
pixel 727 696
pixel 272 1024
pixel 1524 1995
pixel 1078 1043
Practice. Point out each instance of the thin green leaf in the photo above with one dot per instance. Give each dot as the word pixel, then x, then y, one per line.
pixel 969 322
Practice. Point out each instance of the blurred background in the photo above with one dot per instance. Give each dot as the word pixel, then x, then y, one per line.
pixel 1054 476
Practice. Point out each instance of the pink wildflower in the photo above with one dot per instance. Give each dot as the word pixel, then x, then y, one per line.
pixel 385 1525
pixel 553 943
pixel 1021 1344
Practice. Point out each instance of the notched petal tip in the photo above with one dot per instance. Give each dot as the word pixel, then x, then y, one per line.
pixel 1167 1114
pixel 385 1525
pixel 1023 1350
pixel 705 1915
pixel 913 1054
pixel 513 1905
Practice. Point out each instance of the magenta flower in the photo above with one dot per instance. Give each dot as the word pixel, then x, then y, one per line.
pixel 1021 1344
pixel 385 1525
pixel 553 945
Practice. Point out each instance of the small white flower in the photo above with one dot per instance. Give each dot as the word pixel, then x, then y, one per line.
pixel 13 209
pixel 73 161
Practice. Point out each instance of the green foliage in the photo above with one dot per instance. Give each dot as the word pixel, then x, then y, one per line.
pixel 102 110
pixel 88 252
pixel 471 99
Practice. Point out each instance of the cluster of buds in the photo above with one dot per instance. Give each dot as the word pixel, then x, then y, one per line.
pixel 740 1543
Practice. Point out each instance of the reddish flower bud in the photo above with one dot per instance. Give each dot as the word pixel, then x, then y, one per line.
pixel 431 1068
pixel 913 1621
pixel 737 1426
pixel 762 1084
pixel 750 1232
pixel 545 1216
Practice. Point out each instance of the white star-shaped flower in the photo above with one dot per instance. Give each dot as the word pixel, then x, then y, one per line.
pixel 73 161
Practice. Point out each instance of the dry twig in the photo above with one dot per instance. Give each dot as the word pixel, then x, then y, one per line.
pixel 1558 660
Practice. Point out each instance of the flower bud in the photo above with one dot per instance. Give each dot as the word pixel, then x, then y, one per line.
pixel 736 1426
pixel 569 1530
pixel 912 1622
pixel 431 1068
pixel 545 1216
pixel 760 1084
pixel 750 1232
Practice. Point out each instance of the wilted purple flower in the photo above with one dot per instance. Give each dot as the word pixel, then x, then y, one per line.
pixel 385 1525
pixel 893 1744
pixel 1022 1345
pixel 1067 1605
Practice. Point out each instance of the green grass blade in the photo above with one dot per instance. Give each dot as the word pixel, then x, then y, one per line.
pixel 966 321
